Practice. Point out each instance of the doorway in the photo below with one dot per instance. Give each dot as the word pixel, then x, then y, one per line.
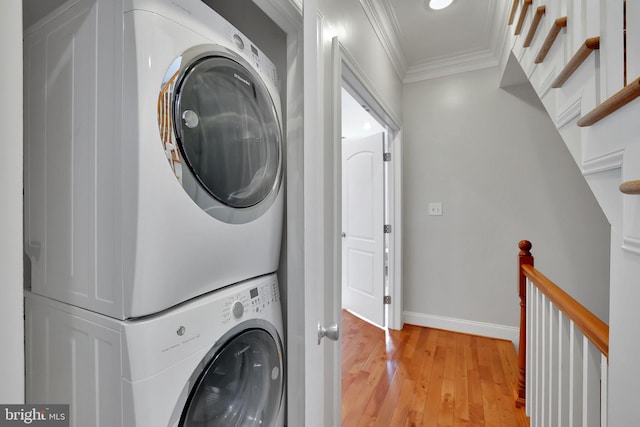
pixel 364 212
pixel 363 113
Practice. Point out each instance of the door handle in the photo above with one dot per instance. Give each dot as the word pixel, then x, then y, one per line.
pixel 332 332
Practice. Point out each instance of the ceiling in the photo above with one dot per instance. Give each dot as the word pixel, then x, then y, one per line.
pixel 423 43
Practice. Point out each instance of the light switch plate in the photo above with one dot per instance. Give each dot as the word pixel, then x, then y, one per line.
pixel 435 208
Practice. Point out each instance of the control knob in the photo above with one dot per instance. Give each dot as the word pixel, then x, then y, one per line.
pixel 237 309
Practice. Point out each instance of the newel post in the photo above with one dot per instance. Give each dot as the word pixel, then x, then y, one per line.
pixel 524 258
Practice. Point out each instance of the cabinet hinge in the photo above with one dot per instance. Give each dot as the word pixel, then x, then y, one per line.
pixel 387 299
pixel 387 228
pixel 386 157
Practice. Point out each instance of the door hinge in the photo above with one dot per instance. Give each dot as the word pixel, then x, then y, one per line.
pixel 387 299
pixel 386 157
pixel 387 228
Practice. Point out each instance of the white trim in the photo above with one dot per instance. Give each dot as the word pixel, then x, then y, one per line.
pixel 631 245
pixel 532 68
pixel 492 330
pixel 11 245
pixel 312 256
pixel 572 111
pixel 384 23
pixel 453 65
pixel 372 95
pixel 395 320
pixel 545 87
pixel 523 51
pixel 499 31
pixel 288 15
pixel 606 162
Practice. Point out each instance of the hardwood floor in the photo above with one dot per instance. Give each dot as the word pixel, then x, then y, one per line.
pixel 426 377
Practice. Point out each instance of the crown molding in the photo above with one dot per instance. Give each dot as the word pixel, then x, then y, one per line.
pixel 382 20
pixel 452 65
pixel 499 10
pixel 385 24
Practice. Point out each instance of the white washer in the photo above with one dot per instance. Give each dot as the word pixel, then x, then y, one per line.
pixel 216 360
pixel 154 155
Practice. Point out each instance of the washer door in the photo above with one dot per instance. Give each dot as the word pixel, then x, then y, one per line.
pixel 241 386
pixel 218 119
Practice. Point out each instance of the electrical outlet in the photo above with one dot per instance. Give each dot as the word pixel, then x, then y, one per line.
pixel 435 208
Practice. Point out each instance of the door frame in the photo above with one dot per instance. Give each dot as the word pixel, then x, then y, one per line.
pixel 305 397
pixel 348 73
pixel 305 271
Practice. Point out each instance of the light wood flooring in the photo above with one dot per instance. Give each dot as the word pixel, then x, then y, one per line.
pixel 426 377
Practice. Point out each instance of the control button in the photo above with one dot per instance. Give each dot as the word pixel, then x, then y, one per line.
pixel 238 41
pixel 238 309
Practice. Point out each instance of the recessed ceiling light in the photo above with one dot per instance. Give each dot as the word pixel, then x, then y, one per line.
pixel 439 4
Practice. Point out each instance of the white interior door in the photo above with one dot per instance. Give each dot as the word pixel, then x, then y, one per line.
pixel 363 227
pixel 313 364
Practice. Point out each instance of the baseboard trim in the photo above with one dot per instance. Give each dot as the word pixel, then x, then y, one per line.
pixel 491 330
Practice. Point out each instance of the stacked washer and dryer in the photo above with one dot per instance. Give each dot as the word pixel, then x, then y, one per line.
pixel 153 217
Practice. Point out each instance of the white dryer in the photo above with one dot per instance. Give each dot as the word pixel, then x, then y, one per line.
pixel 214 361
pixel 153 155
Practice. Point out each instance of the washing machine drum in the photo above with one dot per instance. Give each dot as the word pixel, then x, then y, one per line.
pixel 221 133
pixel 241 386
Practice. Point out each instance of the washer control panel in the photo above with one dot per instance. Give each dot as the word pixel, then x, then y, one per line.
pixel 254 300
pixel 237 309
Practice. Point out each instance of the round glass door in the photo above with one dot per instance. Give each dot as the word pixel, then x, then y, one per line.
pixel 224 128
pixel 241 386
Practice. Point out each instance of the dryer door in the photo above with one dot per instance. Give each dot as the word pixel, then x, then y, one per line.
pixel 242 384
pixel 224 127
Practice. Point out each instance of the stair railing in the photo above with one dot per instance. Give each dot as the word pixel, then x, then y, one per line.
pixel 563 353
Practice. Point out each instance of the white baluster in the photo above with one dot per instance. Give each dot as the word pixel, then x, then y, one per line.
pixel 560 366
pixel 572 333
pixel 604 390
pixel 585 381
pixel 550 378
pixel 543 361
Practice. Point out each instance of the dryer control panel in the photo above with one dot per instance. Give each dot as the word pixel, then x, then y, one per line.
pixel 254 300
pixel 251 53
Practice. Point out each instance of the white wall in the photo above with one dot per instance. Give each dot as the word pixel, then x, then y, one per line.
pixel 11 270
pixel 498 165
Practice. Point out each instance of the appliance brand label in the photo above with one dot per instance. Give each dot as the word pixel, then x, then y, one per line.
pixel 34 415
pixel 243 80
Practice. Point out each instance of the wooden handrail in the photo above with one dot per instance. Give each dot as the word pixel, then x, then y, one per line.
pixel 630 187
pixel 591 326
pixel 583 53
pixel 614 103
pixel 523 13
pixel 534 25
pixel 557 26
pixel 514 7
